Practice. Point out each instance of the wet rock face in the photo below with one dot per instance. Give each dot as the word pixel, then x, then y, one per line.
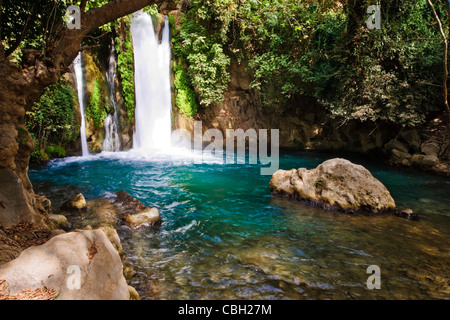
pixel 335 184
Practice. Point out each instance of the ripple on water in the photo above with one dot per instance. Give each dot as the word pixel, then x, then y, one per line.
pixel 223 235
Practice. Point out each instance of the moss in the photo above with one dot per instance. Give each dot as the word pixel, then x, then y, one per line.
pixel 319 183
pixel 172 22
pixel 185 98
pixel 125 67
pixel 96 110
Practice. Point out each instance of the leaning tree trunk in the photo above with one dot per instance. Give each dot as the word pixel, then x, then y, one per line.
pixel 17 200
pixel 20 88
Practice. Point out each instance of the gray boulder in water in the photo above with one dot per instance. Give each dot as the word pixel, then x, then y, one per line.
pixel 335 184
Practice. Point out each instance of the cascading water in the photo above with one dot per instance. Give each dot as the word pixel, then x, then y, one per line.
pixel 152 77
pixel 111 143
pixel 78 71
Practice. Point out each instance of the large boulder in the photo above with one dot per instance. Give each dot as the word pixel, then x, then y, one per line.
pixel 413 139
pixel 396 145
pixel 424 161
pixel 431 147
pixel 337 184
pixel 57 264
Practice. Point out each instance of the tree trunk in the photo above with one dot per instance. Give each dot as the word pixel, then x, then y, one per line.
pixel 445 67
pixel 20 88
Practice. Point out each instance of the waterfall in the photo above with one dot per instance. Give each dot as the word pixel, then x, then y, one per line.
pixel 78 71
pixel 153 123
pixel 111 142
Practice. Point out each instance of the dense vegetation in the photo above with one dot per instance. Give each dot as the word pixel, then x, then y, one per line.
pixel 293 48
pixel 125 67
pixel 52 122
pixel 322 49
pixel 22 25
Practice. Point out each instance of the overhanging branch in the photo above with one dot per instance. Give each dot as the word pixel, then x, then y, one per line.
pixel 68 42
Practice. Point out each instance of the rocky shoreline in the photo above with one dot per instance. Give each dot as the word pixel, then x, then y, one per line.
pixel 56 262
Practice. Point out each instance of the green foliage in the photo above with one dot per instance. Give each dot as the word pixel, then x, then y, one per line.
pixel 51 122
pixel 171 18
pixel 323 50
pixel 125 67
pixel 33 22
pixel 152 10
pixel 185 100
pixel 319 183
pixel 55 151
pixel 204 54
pixel 96 110
pixel 381 74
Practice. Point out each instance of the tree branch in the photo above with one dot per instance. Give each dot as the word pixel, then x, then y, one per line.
pixel 2 54
pixel 30 20
pixel 83 5
pixel 67 43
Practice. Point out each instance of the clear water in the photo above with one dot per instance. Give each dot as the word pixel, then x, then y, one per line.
pixel 224 236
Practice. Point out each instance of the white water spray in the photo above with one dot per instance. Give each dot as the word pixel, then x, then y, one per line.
pixel 152 78
pixel 78 70
pixel 111 143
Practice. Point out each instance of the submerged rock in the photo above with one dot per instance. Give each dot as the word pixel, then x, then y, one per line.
pixel 122 207
pixel 78 265
pixel 148 216
pixel 407 214
pixel 335 184
pixel 77 203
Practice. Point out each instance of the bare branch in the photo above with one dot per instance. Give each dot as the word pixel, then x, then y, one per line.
pixel 83 5
pixel 30 20
pixel 445 77
pixel 89 47
pixel 438 20
pixel 413 39
pixel 2 54
pixel 429 84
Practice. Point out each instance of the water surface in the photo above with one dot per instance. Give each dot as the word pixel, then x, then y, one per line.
pixel 224 236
